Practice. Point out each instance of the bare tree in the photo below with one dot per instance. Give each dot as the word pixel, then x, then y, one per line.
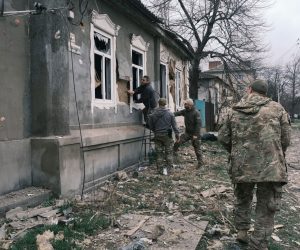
pixel 293 83
pixel 275 77
pixel 226 29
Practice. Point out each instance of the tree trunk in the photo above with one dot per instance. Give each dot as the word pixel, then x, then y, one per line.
pixel 194 76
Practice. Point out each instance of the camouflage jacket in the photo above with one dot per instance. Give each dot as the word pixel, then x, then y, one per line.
pixel 192 120
pixel 256 132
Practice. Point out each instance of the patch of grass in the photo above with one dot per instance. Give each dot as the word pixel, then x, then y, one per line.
pixel 186 204
pixel 290 232
pixel 87 223
pixel 49 202
pixel 66 206
pixel 142 205
pixel 274 246
pixel 296 123
pixel 90 222
pixel 202 244
pixel 28 242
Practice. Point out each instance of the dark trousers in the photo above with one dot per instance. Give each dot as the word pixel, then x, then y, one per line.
pixel 163 148
pixel 146 112
pixel 268 200
pixel 196 144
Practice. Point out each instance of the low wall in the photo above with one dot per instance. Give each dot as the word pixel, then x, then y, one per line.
pixel 15 165
pixel 57 162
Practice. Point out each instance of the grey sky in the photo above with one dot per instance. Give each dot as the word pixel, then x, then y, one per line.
pixel 284 16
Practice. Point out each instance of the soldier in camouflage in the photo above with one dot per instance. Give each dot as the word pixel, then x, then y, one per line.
pixel 192 124
pixel 162 122
pixel 256 133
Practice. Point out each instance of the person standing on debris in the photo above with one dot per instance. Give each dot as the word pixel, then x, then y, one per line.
pixel 192 124
pixel 147 96
pixel 256 133
pixel 162 122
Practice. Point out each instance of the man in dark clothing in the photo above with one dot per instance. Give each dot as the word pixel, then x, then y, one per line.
pixel 192 123
pixel 147 96
pixel 161 122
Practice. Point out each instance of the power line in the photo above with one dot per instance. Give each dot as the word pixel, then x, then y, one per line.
pixel 39 9
pixel 76 104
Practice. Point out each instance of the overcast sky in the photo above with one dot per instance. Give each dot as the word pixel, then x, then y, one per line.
pixel 284 16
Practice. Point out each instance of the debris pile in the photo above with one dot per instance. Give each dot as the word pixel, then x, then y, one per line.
pixel 188 208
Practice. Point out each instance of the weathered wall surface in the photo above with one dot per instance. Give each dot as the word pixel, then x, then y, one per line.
pixel 15 161
pixel 94 116
pixel 37 99
pixel 14 74
pixel 49 72
pixel 56 164
pixel 15 165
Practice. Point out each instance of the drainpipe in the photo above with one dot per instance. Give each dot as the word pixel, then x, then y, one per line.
pixel 2 8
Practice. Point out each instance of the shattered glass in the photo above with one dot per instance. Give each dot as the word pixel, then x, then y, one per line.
pixel 102 43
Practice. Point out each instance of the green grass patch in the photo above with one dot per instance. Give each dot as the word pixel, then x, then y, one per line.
pixel 86 223
pixel 28 242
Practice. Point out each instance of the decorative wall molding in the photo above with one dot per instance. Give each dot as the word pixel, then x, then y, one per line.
pixel 105 23
pixel 139 42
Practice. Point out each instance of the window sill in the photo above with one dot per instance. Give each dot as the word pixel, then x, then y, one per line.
pixel 138 105
pixel 101 104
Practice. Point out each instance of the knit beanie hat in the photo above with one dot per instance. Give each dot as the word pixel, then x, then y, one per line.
pixel 259 86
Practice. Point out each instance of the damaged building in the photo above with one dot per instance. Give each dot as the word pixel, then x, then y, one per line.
pixel 67 122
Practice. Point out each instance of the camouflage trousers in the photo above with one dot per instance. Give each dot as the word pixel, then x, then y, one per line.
pixel 164 151
pixel 196 144
pixel 268 202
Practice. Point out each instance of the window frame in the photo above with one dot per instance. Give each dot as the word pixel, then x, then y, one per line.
pixel 166 87
pixel 102 24
pixel 104 56
pixel 138 67
pixel 178 90
pixel 139 45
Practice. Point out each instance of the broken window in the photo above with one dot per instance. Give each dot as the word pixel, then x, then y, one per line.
pixel 102 66
pixel 163 81
pixel 102 43
pixel 137 70
pixel 178 88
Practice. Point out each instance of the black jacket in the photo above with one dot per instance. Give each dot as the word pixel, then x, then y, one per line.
pixel 147 96
pixel 192 120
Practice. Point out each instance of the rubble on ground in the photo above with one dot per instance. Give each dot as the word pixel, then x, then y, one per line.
pixel 151 211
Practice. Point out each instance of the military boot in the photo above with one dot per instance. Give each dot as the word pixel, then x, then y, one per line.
pixel 176 158
pixel 242 236
pixel 200 163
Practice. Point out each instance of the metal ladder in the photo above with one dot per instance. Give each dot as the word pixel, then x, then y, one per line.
pixel 147 152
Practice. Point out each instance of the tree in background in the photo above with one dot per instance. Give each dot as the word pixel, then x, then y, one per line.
pixel 284 84
pixel 226 29
pixel 292 78
pixel 274 75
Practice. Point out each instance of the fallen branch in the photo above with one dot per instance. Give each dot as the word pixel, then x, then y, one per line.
pixel 224 217
pixel 225 182
pixel 193 224
pixel 133 230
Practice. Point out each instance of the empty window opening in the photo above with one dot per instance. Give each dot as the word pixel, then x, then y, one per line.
pixel 178 88
pixel 137 70
pixel 103 69
pixel 163 81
